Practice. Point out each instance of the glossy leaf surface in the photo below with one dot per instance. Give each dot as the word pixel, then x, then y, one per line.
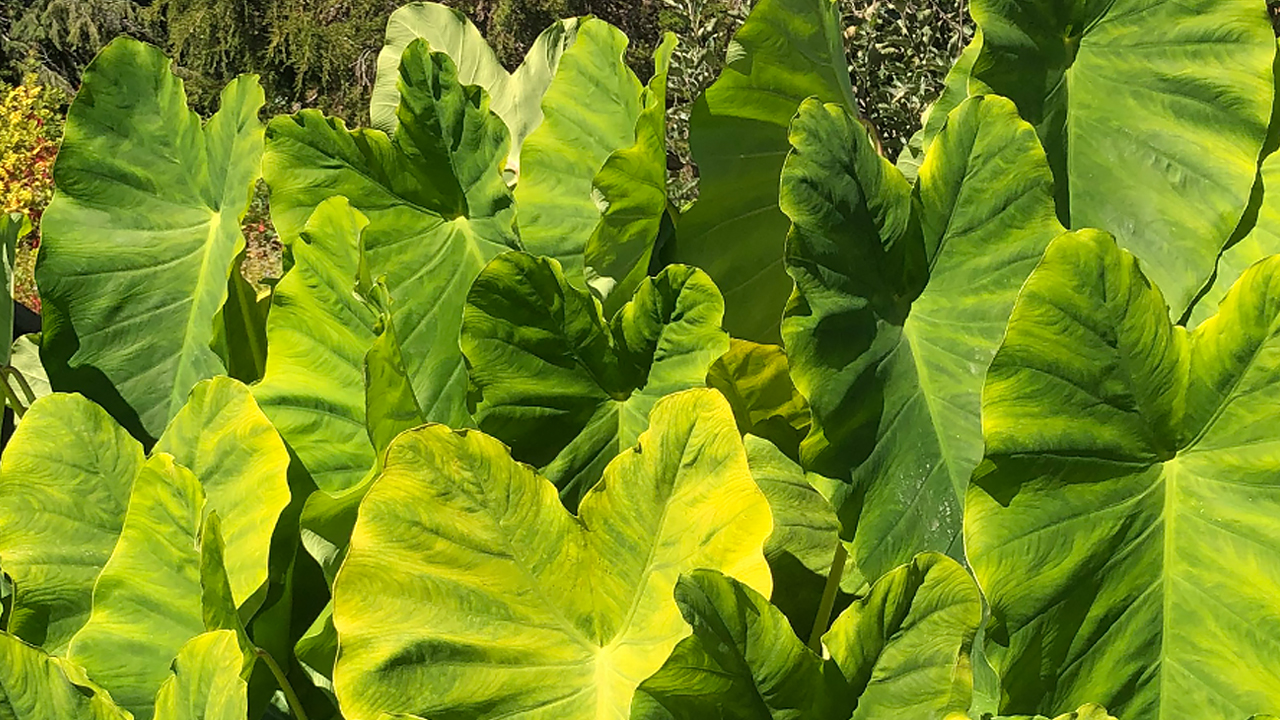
pixel 566 390
pixel 532 612
pixel 148 208
pixel 1123 523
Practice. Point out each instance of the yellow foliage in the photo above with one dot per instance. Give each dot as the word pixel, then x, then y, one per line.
pixel 29 130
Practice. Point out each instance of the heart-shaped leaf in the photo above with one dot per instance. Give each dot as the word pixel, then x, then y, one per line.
pixel 1123 522
pixel 148 208
pixel 470 592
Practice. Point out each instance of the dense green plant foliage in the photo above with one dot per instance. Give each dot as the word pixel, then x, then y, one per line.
pixel 987 430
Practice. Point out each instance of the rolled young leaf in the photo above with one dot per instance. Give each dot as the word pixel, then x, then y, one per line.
pixel 12 227
pixel 1141 104
pixel 900 304
pixel 64 489
pixel 566 390
pixel 785 52
pixel 36 686
pixel 148 208
pixel 516 97
pixel 436 205
pixel 469 590
pixel 1123 522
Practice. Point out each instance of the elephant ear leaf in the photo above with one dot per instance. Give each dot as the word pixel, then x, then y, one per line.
pixel 900 304
pixel 436 206
pixel 742 661
pixel 585 603
pixel 64 490
pixel 225 440
pixel 148 207
pixel 566 390
pixel 632 187
pixel 785 52
pixel 1087 76
pixel 591 111
pixel 37 686
pixel 1131 473
pixel 149 599
pixel 206 682
pixel 517 97
pixel 904 649
pixel 319 408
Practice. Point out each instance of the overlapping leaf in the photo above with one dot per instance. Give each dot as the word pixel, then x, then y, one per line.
pixel 516 97
pixel 786 51
pixel 898 311
pixel 437 210
pixel 139 239
pixel 469 591
pixel 756 381
pixel 148 600
pixel 1123 523
pixel 1152 113
pixel 36 686
pixel 632 189
pixel 590 109
pixel 205 683
pixel 901 651
pixel 64 487
pixel 566 390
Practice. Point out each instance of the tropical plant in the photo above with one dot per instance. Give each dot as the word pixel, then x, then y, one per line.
pixel 508 438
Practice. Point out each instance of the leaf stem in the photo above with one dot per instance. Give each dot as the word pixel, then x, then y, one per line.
pixel 828 597
pixel 289 695
pixel 11 395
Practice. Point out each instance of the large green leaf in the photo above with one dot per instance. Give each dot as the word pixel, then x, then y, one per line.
pixel 902 651
pixel 786 51
pixel 225 440
pixel 1123 523
pixel 632 189
pixel 1142 105
pixel 566 390
pixel 64 488
pixel 470 592
pixel 516 97
pixel 436 205
pixel 148 600
pixel 205 683
pixel 590 112
pixel 148 209
pixel 897 312
pixel 36 686
pixel 319 331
